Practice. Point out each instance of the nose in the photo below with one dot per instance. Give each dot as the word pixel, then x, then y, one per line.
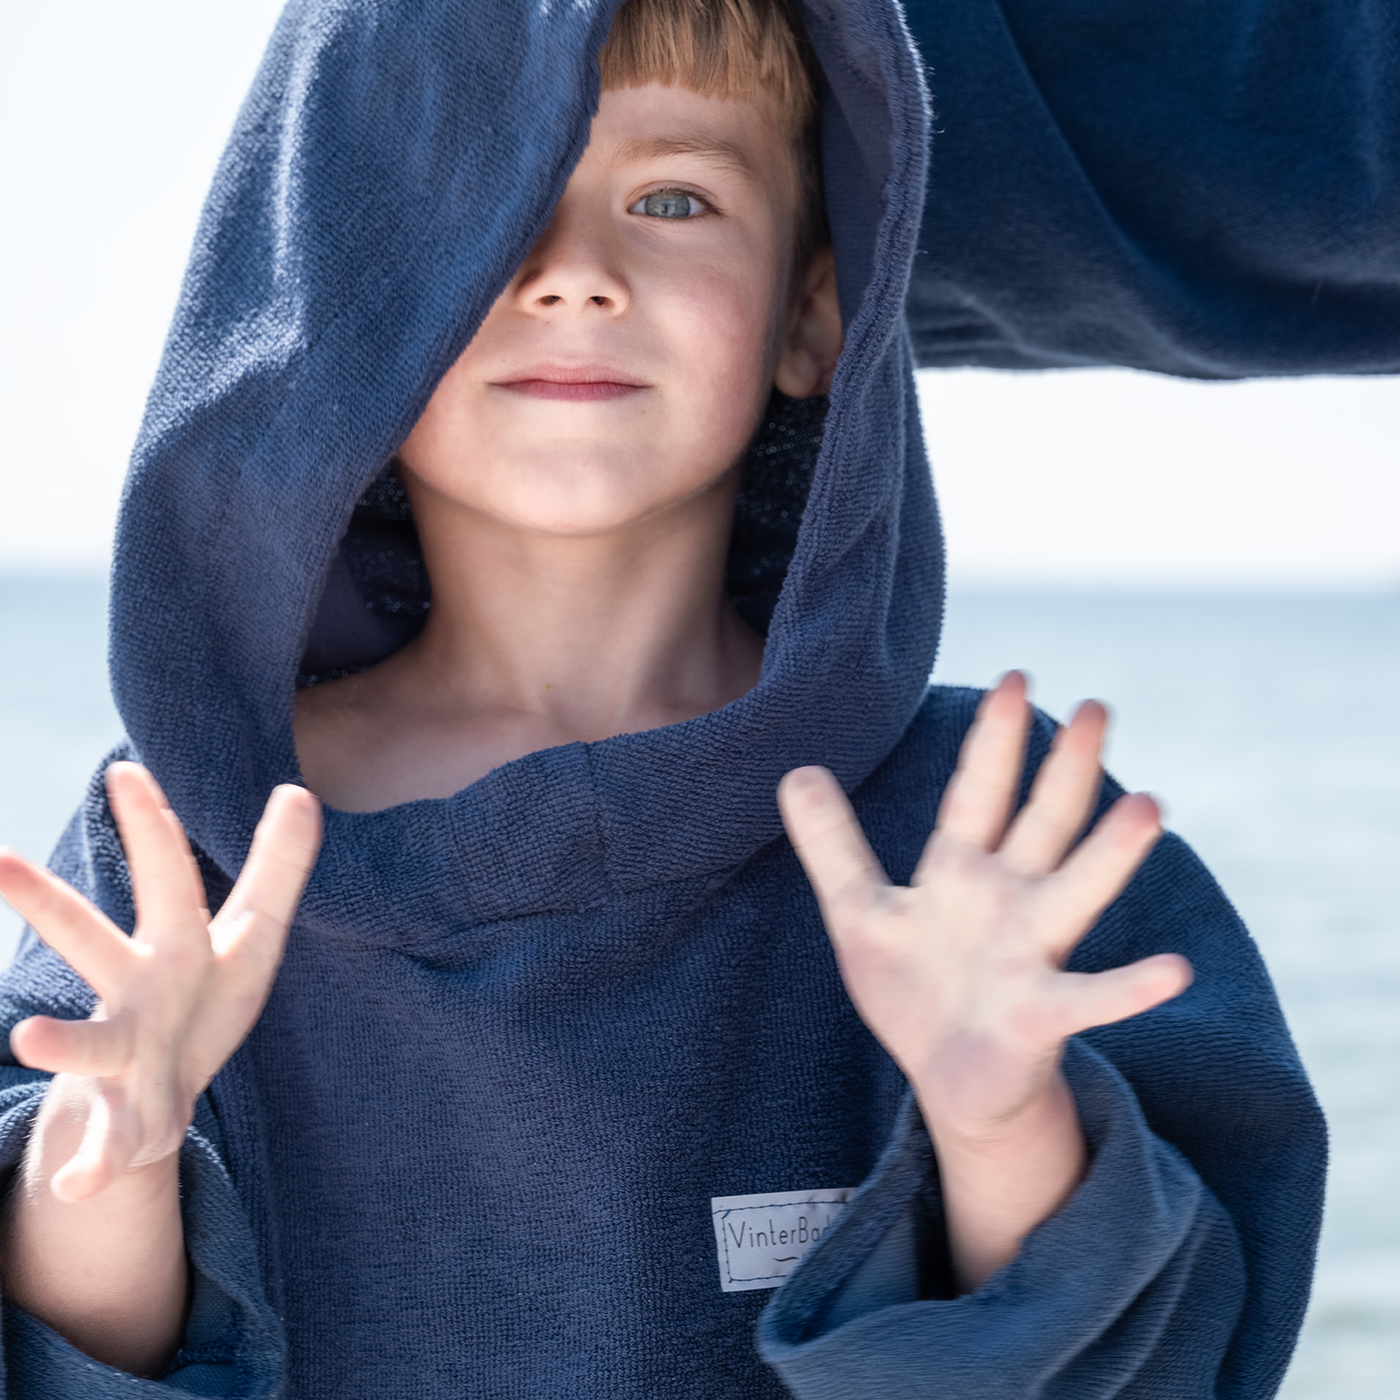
pixel 571 271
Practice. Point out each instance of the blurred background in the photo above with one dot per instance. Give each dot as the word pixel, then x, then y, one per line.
pixel 1219 561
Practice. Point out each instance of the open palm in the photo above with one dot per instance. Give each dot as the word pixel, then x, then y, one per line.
pixel 177 998
pixel 960 974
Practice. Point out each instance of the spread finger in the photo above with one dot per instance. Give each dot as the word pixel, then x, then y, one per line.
pixel 1102 998
pixel 1096 872
pixel 165 881
pixel 830 844
pixel 251 928
pixel 84 937
pixel 72 1047
pixel 980 794
pixel 1062 798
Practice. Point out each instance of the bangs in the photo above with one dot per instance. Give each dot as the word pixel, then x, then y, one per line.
pixel 718 48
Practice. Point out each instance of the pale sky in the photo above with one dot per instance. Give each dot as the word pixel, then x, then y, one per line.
pixel 112 117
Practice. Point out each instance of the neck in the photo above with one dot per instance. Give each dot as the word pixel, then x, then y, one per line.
pixel 580 637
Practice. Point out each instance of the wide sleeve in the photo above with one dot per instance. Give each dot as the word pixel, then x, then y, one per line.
pixel 233 1344
pixel 1206 188
pixel 1181 1266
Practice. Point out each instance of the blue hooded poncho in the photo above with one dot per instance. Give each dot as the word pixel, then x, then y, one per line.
pixel 526 1037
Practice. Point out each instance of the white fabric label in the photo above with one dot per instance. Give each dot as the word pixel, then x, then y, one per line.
pixel 759 1239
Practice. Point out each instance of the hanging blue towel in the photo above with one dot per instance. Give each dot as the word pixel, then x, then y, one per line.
pixel 1203 189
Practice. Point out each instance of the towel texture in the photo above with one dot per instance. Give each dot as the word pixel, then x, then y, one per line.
pixel 524 1035
pixel 1204 189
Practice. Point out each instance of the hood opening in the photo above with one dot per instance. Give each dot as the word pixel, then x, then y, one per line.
pixel 358 230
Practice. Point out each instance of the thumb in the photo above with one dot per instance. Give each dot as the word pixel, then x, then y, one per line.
pixel 106 1150
pixel 1102 998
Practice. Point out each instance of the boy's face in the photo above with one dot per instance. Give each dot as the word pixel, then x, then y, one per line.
pixel 626 365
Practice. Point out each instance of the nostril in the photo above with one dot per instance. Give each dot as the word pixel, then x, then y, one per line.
pixel 601 301
pixel 550 300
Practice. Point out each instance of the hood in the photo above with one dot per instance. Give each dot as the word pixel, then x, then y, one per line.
pixel 389 170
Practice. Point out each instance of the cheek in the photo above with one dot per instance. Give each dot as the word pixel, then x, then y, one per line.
pixel 445 425
pixel 723 339
pixel 455 414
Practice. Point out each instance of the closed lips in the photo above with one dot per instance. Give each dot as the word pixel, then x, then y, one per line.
pixel 587 390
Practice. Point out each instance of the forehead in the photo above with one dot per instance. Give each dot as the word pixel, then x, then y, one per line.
pixel 713 149
pixel 656 122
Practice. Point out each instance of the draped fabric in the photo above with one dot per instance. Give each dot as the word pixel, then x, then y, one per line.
pixel 524 1036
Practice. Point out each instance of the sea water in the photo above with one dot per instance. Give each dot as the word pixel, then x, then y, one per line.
pixel 1268 726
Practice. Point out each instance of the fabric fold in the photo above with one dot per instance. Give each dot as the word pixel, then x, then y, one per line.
pixel 233 1344
pixel 1091 1307
pixel 1209 191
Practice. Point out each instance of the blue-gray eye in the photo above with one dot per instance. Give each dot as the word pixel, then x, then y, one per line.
pixel 669 204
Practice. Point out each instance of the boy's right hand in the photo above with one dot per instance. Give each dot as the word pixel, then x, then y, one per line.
pixel 178 998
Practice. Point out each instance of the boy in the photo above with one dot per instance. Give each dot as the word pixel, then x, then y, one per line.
pixel 556 1036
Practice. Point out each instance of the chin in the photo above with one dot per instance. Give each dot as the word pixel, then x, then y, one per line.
pixel 590 498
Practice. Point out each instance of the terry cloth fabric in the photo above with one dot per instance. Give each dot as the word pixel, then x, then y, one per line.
pixel 1205 189
pixel 523 1036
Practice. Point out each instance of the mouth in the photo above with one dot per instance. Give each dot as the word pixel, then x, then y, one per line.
pixel 584 385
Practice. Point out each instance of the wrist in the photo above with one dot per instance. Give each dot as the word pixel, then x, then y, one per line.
pixel 1047 1106
pixel 107 1272
pixel 1035 1155
pixel 1002 1176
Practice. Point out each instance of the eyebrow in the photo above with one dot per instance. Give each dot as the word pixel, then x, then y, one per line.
pixel 707 147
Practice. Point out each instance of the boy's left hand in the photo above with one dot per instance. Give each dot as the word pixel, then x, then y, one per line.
pixel 960 975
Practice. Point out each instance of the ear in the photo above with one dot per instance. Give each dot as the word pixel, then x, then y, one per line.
pixel 807 357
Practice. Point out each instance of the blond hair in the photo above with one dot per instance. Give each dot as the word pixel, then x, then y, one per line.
pixel 731 48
